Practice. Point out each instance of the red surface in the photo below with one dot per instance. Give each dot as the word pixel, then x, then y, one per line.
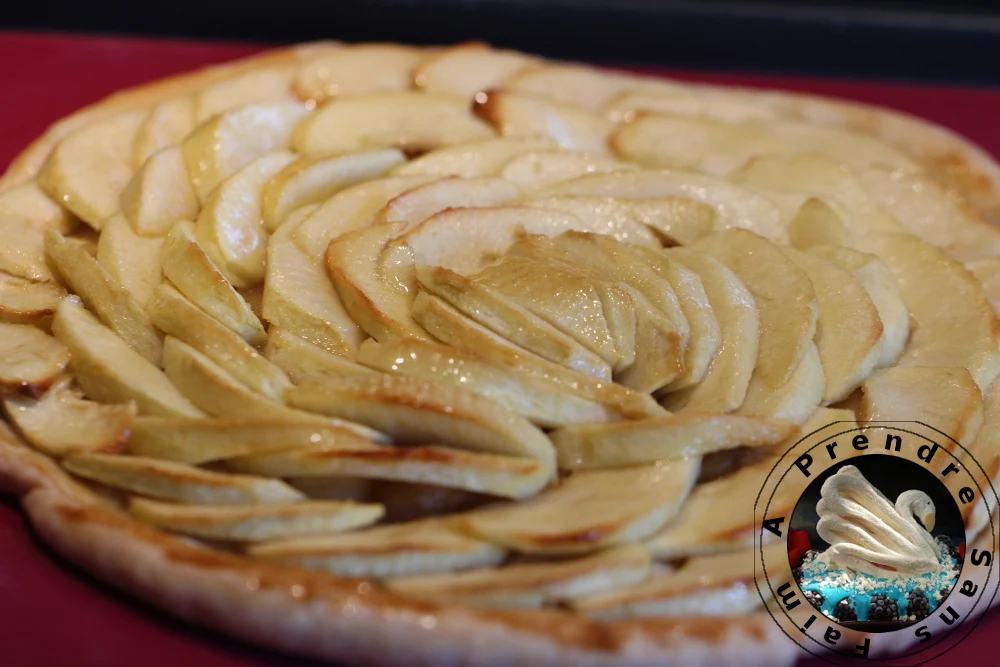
pixel 50 614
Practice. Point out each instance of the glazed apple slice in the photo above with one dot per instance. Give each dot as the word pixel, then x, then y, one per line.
pixel 111 302
pixel 30 359
pixel 165 125
pixel 475 159
pixel 259 85
pixel 356 70
pixel 408 120
pixel 61 424
pixel 109 371
pixel 311 180
pixel 159 194
pixel 131 260
pixel 423 201
pixel 230 229
pixel 236 523
pixel 26 302
pixel 467 69
pixel 589 511
pixel 168 480
pixel 638 223
pixel 300 359
pixel 220 147
pixel 512 114
pixel 415 547
pixel 537 170
pixel 87 171
pixel 192 272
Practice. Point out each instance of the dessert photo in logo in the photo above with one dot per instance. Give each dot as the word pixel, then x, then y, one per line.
pixel 876 543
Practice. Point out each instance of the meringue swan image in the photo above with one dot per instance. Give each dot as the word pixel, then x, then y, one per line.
pixel 868 533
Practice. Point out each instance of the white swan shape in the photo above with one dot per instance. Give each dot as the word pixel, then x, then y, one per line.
pixel 867 533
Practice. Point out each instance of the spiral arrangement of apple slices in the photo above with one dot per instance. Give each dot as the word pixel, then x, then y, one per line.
pixel 480 327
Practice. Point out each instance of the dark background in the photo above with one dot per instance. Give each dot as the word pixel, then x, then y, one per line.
pixel 952 42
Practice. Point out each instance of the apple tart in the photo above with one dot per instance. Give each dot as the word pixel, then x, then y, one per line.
pixel 388 355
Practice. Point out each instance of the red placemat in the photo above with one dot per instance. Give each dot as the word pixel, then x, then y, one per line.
pixel 53 615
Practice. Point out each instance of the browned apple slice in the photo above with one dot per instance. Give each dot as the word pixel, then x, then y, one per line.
pixel 466 69
pixel 510 320
pixel 408 120
pixel 193 273
pixel 476 159
pixel 300 359
pixel 159 194
pixel 692 434
pixel 946 399
pixel 87 171
pixel 544 403
pixel 357 70
pixel 528 585
pixel 310 180
pixel 589 511
pixel 256 523
pixel 166 125
pixel 956 323
pixel 25 302
pixel 417 411
pixel 512 114
pixel 111 302
pixel 179 482
pixel 198 441
pixel 109 371
pixel 132 261
pixel 30 359
pixel 62 424
pixel 416 547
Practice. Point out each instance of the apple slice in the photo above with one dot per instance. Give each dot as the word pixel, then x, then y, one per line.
pixel 819 222
pixel 299 297
pixel 849 331
pixel 193 273
pixel 853 149
pixel 957 324
pixel 466 69
pixel 734 206
pixel 220 147
pixel 159 194
pixel 259 85
pixel 28 205
pixel 544 403
pixel 26 302
pixel 414 122
pixel 577 85
pixel 229 227
pixel 589 511
pixel 30 359
pixel 174 315
pixel 793 400
pixel 410 410
pixel 527 585
pixel 725 105
pixel 165 125
pixel 536 170
pixel 505 317
pixel 179 482
pixel 61 424
pixel 448 325
pixel 416 547
pixel 380 307
pixel 724 385
pixel 111 302
pixel 934 214
pixel 109 371
pixel 300 359
pixel 357 70
pixel 349 210
pixel 198 441
pixel 944 398
pixel 423 201
pixel 987 272
pixel 476 159
pixel 132 261
pixel 645 223
pixel 882 289
pixel 983 453
pixel 491 474
pixel 683 142
pixel 87 171
pixel 512 114
pixel 256 523
pixel 587 446
pixel 311 180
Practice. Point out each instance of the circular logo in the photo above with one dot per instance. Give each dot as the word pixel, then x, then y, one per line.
pixel 877 541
